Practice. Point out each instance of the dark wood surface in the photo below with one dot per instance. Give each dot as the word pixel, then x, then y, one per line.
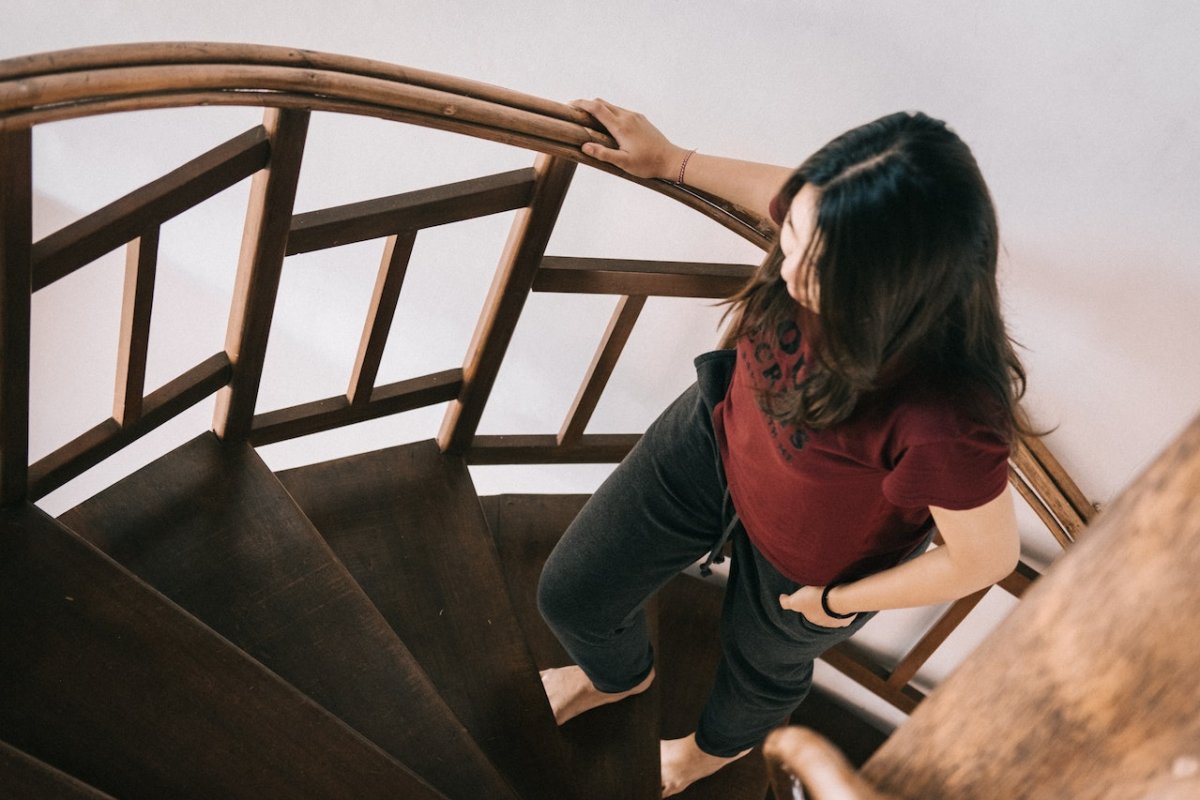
pixel 1086 690
pixel 16 228
pixel 211 527
pixel 264 240
pixel 523 252
pixel 22 776
pixel 109 681
pixel 687 614
pixel 614 749
pixel 407 524
pixel 141 265
pixel 620 326
pixel 382 311
pixel 93 446
pixel 410 211
pixel 334 412
pixel 590 448
pixel 82 242
pixel 638 277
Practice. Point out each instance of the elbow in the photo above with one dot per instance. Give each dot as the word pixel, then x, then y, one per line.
pixel 1005 559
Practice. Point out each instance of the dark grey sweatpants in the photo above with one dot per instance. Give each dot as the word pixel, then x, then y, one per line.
pixel 662 509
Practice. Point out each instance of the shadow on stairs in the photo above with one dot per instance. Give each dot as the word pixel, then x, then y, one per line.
pixel 364 627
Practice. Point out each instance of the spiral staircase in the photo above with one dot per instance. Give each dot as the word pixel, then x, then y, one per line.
pixel 363 627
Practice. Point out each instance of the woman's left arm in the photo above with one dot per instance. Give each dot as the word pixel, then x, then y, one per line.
pixel 982 546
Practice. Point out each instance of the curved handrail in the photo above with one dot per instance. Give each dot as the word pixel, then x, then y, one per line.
pixel 74 83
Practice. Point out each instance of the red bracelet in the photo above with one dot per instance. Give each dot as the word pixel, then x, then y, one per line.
pixel 683 166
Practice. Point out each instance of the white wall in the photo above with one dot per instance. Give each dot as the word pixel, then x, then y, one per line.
pixel 1084 116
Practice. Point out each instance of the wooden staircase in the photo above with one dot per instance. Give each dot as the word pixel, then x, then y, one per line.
pixel 364 627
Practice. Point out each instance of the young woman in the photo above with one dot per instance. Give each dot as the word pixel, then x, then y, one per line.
pixel 871 396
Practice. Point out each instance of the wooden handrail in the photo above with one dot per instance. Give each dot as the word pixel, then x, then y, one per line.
pixel 292 83
pixel 74 83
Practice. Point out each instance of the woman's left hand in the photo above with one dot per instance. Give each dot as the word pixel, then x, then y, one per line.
pixel 807 601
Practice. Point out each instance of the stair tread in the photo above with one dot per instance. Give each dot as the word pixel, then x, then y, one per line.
pixel 614 749
pixel 211 527
pixel 109 681
pixel 407 524
pixel 22 775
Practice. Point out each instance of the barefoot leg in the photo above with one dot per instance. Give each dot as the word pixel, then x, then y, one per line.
pixel 684 763
pixel 571 693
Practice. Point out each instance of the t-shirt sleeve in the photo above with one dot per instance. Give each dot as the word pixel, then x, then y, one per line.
pixel 957 474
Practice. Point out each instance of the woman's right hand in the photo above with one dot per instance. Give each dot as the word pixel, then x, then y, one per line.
pixel 642 150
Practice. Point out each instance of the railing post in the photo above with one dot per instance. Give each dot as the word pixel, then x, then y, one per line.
pixel 1088 688
pixel 16 231
pixel 264 242
pixel 523 253
pixel 141 264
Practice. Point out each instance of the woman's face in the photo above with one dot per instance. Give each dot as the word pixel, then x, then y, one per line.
pixel 794 237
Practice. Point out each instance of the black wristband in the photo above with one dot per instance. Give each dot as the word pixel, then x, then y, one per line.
pixel 825 605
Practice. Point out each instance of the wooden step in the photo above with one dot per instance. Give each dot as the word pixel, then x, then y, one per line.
pixel 209 526
pixel 614 749
pixel 407 524
pixel 107 680
pixel 22 775
pixel 687 646
pixel 688 653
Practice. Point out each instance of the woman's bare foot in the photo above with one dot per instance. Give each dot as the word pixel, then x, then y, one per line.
pixel 684 763
pixel 571 692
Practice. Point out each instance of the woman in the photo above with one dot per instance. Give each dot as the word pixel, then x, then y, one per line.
pixel 872 396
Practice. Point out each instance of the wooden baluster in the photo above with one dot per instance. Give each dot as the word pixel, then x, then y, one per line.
pixel 16 231
pixel 379 318
pixel 514 276
pixel 1087 689
pixel 264 241
pixel 141 263
pixel 601 368
pixel 931 641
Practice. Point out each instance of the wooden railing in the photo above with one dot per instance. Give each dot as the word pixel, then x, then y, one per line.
pixel 294 84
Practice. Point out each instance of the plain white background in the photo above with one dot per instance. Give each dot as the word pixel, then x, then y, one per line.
pixel 1084 116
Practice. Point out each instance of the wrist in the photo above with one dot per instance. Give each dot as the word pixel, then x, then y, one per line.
pixel 833 602
pixel 672 163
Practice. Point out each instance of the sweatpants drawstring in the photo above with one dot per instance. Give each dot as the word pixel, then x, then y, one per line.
pixel 717 554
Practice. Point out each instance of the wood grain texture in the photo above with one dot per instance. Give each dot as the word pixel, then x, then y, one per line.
pixel 613 749
pixel 1086 690
pixel 210 527
pixel 410 211
pixel 335 412
pixel 634 277
pixel 83 241
pixel 16 230
pixel 380 314
pixel 21 776
pixel 523 252
pixel 407 524
pixel 1048 489
pixel 141 264
pixel 110 682
pixel 620 326
pixel 590 448
pixel 163 404
pixel 264 242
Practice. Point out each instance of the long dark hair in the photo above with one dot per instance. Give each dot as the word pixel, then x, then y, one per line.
pixel 903 263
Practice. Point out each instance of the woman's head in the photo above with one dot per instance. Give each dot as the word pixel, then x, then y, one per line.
pixel 890 236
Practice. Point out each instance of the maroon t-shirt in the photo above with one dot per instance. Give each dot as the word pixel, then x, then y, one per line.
pixel 853 499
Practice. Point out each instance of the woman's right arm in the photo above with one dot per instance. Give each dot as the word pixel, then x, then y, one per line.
pixel 644 152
